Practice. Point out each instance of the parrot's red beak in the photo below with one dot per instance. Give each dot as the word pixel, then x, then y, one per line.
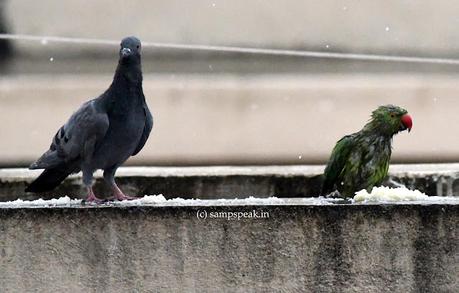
pixel 407 122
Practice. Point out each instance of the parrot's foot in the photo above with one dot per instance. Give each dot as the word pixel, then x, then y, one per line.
pixel 394 184
pixel 335 194
pixel 119 195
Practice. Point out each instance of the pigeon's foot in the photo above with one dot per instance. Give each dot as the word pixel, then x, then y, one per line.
pixel 93 201
pixel 92 198
pixel 123 197
pixel 119 195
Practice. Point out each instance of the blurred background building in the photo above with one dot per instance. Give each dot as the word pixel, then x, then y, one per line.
pixel 222 108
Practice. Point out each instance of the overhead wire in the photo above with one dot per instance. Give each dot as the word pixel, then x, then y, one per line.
pixel 234 49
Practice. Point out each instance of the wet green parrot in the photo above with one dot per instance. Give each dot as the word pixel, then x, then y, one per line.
pixel 361 160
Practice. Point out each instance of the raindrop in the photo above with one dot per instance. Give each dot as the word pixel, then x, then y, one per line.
pixel 344 8
pixel 51 59
pixel 44 42
pixel 327 46
pixel 387 28
pixel 210 67
pixel 213 4
pixel 299 157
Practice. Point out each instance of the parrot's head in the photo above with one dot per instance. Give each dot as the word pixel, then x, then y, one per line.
pixel 390 119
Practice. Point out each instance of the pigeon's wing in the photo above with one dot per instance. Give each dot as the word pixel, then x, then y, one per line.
pixel 337 162
pixel 78 137
pixel 146 130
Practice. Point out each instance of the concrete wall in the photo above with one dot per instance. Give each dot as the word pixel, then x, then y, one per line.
pixel 245 120
pixel 427 27
pixel 227 182
pixel 345 248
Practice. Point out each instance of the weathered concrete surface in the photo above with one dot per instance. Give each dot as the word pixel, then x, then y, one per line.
pixel 228 182
pixel 240 120
pixel 299 248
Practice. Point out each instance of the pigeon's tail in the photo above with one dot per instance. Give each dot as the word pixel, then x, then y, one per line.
pixel 51 178
pixel 48 160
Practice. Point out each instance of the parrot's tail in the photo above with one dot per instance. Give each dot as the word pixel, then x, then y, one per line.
pixel 51 178
pixel 326 189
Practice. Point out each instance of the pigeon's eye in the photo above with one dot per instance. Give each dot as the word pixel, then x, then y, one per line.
pixel 138 46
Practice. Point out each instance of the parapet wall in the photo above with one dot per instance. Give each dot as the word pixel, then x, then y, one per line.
pixel 228 181
pixel 299 247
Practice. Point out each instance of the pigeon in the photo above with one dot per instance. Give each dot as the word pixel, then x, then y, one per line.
pixel 103 133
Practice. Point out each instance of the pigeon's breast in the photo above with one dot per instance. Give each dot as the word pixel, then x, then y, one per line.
pixel 121 140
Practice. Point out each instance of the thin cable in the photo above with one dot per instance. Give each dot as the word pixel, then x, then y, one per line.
pixel 46 39
pixel 229 49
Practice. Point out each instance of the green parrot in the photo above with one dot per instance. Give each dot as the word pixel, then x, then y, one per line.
pixel 361 160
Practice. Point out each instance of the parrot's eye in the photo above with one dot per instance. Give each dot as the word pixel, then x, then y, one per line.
pixel 392 115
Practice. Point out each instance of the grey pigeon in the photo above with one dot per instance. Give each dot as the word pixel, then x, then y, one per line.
pixel 103 133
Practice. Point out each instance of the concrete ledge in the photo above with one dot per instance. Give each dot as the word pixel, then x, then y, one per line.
pixel 300 247
pixel 229 181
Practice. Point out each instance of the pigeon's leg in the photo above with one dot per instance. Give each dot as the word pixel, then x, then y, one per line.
pixel 87 180
pixel 109 176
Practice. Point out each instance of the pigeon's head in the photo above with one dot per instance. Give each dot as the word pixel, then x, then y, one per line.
pixel 130 50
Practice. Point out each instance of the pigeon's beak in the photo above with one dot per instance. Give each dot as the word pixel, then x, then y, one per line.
pixel 407 123
pixel 125 52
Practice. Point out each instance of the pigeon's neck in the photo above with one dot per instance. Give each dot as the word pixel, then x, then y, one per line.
pixel 127 81
pixel 126 88
pixel 128 75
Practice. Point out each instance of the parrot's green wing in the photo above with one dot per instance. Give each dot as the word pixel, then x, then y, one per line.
pixel 337 162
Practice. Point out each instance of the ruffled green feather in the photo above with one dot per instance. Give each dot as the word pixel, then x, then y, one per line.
pixel 361 160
